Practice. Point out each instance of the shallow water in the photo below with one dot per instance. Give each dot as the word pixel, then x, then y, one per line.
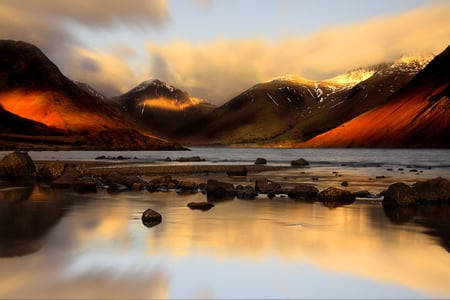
pixel 59 244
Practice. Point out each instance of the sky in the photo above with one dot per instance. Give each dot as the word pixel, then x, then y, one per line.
pixel 215 49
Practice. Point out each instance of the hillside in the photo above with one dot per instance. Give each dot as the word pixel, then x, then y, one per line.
pixel 417 116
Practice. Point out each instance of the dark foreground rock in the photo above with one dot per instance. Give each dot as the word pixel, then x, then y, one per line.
pixel 299 163
pixel 303 191
pixel 151 218
pixel 334 195
pixel 17 165
pixel 400 194
pixel 433 190
pixel 200 205
pixel 85 184
pixel 266 186
pixel 246 192
pixel 218 189
pixel 50 171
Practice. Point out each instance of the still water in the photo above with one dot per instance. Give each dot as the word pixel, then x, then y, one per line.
pixel 59 244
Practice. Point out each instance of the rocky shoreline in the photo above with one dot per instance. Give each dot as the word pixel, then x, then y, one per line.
pixel 218 182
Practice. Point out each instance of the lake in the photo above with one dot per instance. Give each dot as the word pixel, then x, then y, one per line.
pixel 60 244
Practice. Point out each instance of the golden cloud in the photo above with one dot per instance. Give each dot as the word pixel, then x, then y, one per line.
pixel 221 69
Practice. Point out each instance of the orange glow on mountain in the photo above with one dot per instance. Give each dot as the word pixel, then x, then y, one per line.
pixel 53 110
pixel 170 104
pixel 389 124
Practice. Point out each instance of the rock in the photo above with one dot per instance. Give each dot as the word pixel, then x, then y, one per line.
pixel 85 184
pixel 299 163
pixel 332 194
pixel 247 192
pixel 237 171
pixel 127 181
pixel 151 218
pixel 63 182
pixel 137 186
pixel 168 159
pixel 115 187
pixel 219 189
pixel 200 205
pixel 303 191
pixel 362 194
pixel 260 161
pixel 433 190
pixel 344 183
pixel 400 194
pixel 187 186
pixel 190 159
pixel 17 165
pixel 162 180
pixel 380 177
pixel 50 171
pixel 265 186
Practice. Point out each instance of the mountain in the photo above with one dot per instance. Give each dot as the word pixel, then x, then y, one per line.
pixel 33 88
pixel 289 109
pixel 417 116
pixel 163 109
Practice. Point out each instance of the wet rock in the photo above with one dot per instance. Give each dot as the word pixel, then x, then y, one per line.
pixel 85 184
pixel 362 194
pixel 303 191
pixel 332 194
pixel 137 186
pixel 128 181
pixel 218 189
pixel 433 190
pixel 67 179
pixel 247 192
pixel 151 218
pixel 265 186
pixel 187 187
pixel 400 194
pixel 299 163
pixel 115 187
pixel 50 171
pixel 168 159
pixel 237 171
pixel 260 161
pixel 17 165
pixel 344 183
pixel 200 205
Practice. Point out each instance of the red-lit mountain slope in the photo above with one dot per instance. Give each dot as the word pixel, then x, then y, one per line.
pixel 418 116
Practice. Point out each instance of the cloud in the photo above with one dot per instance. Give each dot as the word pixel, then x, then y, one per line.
pixel 221 69
pixel 49 23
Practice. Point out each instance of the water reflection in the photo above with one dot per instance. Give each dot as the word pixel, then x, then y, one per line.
pixel 276 248
pixel 24 220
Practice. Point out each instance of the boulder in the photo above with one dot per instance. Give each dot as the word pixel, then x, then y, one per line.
pixel 247 192
pixel 303 191
pixel 433 190
pixel 50 171
pixel 151 218
pixel 400 194
pixel 299 163
pixel 332 194
pixel 200 205
pixel 17 165
pixel 128 181
pixel 237 171
pixel 266 186
pixel 362 194
pixel 220 189
pixel 85 184
pixel 260 161
pixel 187 187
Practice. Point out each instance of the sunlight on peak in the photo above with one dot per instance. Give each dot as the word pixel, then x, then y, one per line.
pixel 418 59
pixel 292 78
pixel 351 78
pixel 170 104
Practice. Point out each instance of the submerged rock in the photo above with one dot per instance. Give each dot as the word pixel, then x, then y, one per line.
pixel 17 165
pixel 400 194
pixel 200 205
pixel 151 218
pixel 332 194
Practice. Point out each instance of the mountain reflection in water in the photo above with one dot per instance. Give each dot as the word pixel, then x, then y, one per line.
pixel 95 246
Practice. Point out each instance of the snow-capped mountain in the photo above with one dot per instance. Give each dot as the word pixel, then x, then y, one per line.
pixel 292 108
